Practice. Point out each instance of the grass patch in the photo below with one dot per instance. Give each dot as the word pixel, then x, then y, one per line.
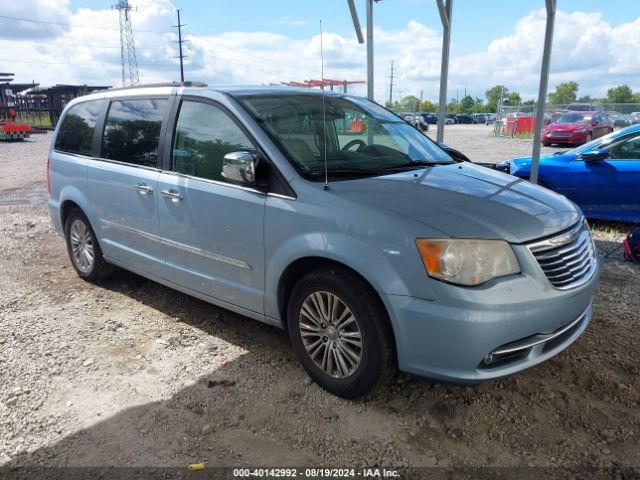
pixel 611 230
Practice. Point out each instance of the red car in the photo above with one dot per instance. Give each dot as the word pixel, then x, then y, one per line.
pixel 576 128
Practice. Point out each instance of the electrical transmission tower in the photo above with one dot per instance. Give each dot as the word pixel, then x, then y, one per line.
pixel 130 75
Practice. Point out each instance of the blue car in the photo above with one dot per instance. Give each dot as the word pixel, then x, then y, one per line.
pixel 602 176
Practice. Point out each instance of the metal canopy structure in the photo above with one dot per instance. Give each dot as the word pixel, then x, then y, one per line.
pixel 356 25
pixel 445 9
pixel 324 83
pixel 542 93
pixel 445 17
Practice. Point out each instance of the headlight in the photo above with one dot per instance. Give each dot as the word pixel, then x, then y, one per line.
pixel 580 130
pixel 467 262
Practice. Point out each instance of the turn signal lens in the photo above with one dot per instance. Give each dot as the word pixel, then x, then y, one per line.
pixel 467 262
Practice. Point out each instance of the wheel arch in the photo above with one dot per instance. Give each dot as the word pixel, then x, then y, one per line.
pixel 301 266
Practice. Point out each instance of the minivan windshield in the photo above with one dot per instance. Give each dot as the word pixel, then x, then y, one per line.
pixel 360 137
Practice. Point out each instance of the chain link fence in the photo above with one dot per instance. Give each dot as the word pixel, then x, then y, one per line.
pixel 519 121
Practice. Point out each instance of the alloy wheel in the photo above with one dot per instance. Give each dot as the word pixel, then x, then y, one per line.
pixel 331 334
pixel 82 248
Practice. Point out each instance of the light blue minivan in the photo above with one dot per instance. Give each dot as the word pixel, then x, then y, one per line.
pixel 330 217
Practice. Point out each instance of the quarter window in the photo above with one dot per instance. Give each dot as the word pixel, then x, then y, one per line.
pixel 132 131
pixel 204 135
pixel 77 128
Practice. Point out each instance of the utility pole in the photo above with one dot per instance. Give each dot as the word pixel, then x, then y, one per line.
pixel 180 42
pixel 391 85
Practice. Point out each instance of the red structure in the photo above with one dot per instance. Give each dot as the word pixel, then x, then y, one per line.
pixel 324 83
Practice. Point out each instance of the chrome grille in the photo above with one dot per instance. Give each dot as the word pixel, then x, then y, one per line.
pixel 569 259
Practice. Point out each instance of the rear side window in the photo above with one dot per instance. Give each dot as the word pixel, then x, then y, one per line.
pixel 132 131
pixel 76 131
pixel 204 135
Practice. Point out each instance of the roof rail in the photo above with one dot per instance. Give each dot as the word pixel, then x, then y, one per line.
pixel 163 84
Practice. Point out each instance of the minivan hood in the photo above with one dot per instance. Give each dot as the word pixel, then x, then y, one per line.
pixel 467 201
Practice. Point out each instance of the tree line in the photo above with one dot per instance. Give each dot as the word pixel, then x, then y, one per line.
pixel 564 93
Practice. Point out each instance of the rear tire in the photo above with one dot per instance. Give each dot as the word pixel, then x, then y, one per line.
pixel 83 248
pixel 340 332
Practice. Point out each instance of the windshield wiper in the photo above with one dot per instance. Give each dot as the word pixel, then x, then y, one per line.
pixel 402 166
pixel 345 171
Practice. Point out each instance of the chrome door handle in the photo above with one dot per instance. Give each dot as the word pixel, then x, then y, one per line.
pixel 173 195
pixel 143 189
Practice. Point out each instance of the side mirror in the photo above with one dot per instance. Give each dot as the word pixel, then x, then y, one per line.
pixel 239 167
pixel 594 155
pixel 457 155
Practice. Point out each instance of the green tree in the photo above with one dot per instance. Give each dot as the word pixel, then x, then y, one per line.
pixel 452 106
pixel 467 104
pixel 620 94
pixel 513 99
pixel 429 106
pixel 585 99
pixel 493 96
pixel 564 93
pixel 410 102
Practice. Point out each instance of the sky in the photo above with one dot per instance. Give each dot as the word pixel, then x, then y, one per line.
pixel 597 43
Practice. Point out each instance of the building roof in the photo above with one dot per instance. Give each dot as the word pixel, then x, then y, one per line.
pixel 61 88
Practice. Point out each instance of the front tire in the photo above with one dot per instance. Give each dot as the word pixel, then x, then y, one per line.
pixel 83 248
pixel 340 332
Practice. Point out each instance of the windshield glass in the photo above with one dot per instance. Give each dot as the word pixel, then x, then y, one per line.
pixel 596 143
pixel 572 118
pixel 360 137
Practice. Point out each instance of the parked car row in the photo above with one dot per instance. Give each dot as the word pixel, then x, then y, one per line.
pixel 464 118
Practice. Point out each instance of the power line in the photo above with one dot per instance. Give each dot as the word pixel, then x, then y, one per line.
pixel 36 42
pixel 250 54
pixel 64 24
pixel 61 63
pixel 204 39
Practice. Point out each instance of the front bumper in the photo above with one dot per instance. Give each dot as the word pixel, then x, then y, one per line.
pixel 572 138
pixel 453 338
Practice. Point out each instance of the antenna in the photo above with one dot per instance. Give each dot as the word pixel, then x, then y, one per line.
pixel 324 113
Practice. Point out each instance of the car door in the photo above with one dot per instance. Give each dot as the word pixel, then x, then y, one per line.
pixel 607 188
pixel 123 184
pixel 212 229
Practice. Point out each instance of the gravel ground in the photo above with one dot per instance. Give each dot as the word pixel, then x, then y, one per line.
pixel 131 373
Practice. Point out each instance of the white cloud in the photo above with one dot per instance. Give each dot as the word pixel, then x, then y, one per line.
pixel 587 49
pixel 53 11
pixel 293 22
